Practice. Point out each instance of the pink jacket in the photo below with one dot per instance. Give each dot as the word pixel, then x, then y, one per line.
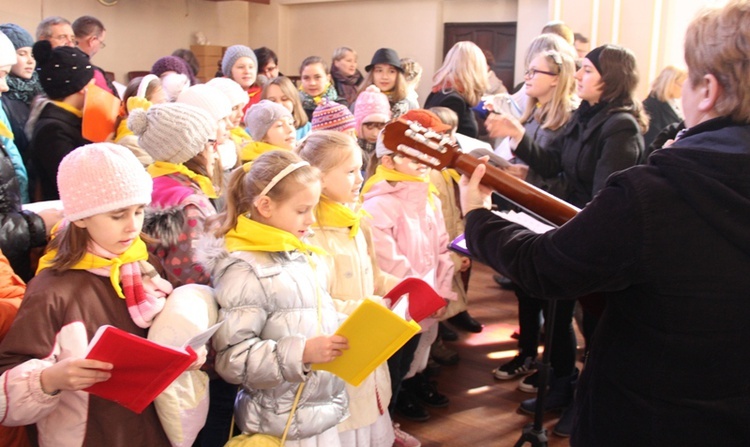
pixel 409 234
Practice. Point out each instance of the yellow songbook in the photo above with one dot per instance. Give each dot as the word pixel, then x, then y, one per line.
pixel 374 333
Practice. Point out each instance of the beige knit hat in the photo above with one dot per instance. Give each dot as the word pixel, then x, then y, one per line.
pixel 172 132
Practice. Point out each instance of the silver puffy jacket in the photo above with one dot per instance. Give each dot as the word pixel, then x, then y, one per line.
pixel 270 307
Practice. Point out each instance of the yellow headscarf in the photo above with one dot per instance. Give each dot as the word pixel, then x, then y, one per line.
pixel 161 168
pixel 136 252
pixel 384 174
pixel 337 215
pixel 250 235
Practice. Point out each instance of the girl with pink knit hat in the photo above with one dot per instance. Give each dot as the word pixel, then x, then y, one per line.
pixel 371 113
pixel 95 273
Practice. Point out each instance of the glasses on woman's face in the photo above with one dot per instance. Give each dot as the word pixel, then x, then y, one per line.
pixel 371 126
pixel 531 72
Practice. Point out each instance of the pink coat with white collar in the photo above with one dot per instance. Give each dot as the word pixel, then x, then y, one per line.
pixel 409 233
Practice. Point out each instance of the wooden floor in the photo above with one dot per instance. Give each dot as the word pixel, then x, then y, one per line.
pixel 483 411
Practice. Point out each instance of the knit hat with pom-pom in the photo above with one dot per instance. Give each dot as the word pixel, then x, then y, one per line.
pixel 99 178
pixel 62 70
pixel 172 132
pixel 330 115
pixel 371 106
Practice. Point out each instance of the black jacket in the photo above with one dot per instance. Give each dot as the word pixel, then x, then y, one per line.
pixel 20 231
pixel 661 115
pixel 467 122
pixel 56 134
pixel 668 244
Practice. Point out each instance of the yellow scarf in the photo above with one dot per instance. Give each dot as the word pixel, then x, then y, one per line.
pixel 69 108
pixel 450 174
pixel 337 215
pixel 136 252
pixel 123 130
pixel 240 136
pixel 250 235
pixel 5 132
pixel 384 174
pixel 255 149
pixel 161 168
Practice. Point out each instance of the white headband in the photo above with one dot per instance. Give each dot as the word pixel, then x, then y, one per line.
pixel 144 85
pixel 278 177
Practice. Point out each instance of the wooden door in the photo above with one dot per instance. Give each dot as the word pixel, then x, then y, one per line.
pixel 499 38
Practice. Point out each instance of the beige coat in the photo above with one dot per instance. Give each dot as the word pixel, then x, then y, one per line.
pixel 354 276
pixel 454 225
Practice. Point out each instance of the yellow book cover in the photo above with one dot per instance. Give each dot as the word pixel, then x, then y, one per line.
pixel 374 333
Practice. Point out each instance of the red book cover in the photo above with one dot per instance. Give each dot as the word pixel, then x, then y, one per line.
pixel 423 300
pixel 142 368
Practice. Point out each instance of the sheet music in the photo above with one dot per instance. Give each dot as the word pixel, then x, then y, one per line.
pixel 525 220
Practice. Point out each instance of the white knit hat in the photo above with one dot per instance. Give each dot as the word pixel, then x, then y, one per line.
pixel 7 51
pixel 208 98
pixel 101 177
pixel 260 117
pixel 370 105
pixel 231 89
pixel 172 132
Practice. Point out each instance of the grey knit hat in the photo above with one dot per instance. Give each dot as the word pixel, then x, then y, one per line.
pixel 260 117
pixel 172 132
pixel 17 35
pixel 232 54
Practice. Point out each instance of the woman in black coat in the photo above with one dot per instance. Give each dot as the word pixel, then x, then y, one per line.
pixel 661 104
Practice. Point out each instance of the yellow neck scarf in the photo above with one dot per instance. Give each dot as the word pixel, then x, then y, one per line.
pixel 450 174
pixel 384 174
pixel 5 132
pixel 255 149
pixel 69 108
pixel 240 136
pixel 250 235
pixel 123 130
pixel 161 168
pixel 136 252
pixel 337 215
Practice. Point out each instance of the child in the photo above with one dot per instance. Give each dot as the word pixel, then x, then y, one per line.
pixel 271 289
pixel 173 65
pixel 412 76
pixel 144 92
pixel 410 240
pixel 64 73
pixel 104 191
pixel 334 116
pixel 241 65
pixel 316 85
pixel 7 60
pixel 180 138
pixel 342 233
pixel 346 77
pixel 371 113
pixel 271 126
pixel 385 72
pixel 281 91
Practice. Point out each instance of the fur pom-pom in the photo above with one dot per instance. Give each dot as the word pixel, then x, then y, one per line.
pixel 42 52
pixel 137 121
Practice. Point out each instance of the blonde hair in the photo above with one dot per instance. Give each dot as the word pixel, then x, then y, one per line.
pixel 412 71
pixel 662 85
pixel 322 148
pixel 340 53
pixel 561 29
pixel 245 187
pixel 558 110
pixel 717 42
pixel 290 91
pixel 464 71
pixel 397 94
pixel 446 115
pixel 549 41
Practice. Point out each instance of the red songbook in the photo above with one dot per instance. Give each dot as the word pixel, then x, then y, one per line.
pixel 423 300
pixel 142 368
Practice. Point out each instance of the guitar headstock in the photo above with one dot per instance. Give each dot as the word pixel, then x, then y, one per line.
pixel 419 143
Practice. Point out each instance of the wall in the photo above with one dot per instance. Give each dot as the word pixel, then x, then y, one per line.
pixel 140 31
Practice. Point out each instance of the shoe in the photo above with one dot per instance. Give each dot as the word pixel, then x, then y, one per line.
pixel 446 333
pixel 443 354
pixel 530 383
pixel 503 282
pixel 433 368
pixel 559 395
pixel 517 367
pixel 408 407
pixel 564 426
pixel 404 439
pixel 425 391
pixel 463 320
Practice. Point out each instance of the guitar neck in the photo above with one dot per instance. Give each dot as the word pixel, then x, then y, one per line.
pixel 526 196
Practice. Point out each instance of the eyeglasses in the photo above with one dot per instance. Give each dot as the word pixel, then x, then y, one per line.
pixel 65 38
pixel 531 72
pixel 101 42
pixel 371 126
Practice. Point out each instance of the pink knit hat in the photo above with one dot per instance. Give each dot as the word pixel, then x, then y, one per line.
pixel 101 177
pixel 330 115
pixel 371 105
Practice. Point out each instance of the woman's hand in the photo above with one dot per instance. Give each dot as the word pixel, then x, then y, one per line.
pixel 324 349
pixel 474 195
pixel 73 374
pixel 500 125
